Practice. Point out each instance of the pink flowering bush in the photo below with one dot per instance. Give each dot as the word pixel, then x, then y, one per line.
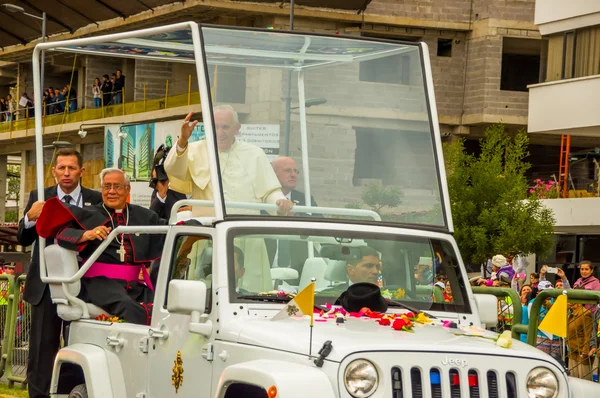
pixel 544 189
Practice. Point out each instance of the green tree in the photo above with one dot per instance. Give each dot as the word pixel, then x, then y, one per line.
pixel 491 210
pixel 377 196
pixel 13 191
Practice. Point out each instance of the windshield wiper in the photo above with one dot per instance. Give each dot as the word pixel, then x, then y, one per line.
pixel 393 303
pixel 256 297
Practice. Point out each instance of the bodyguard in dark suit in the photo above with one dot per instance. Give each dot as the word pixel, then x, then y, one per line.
pixel 289 253
pixel 46 326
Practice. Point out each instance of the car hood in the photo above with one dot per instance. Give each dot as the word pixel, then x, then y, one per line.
pixel 361 335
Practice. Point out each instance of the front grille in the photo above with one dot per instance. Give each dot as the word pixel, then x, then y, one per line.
pixel 492 384
pixel 461 383
pixel 417 383
pixel 396 383
pixel 473 384
pixel 511 385
pixel 454 384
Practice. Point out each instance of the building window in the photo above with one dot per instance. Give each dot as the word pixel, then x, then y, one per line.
pixel 573 54
pixel 444 48
pixel 520 63
pixel 568 58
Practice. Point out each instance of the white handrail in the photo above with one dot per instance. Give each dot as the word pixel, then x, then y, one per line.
pixel 142 229
pixel 272 207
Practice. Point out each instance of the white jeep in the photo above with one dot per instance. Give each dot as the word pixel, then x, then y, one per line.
pixel 352 111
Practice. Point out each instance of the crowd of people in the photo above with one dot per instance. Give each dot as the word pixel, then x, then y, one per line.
pixel 106 91
pixel 583 325
pixel 56 100
pixel 109 90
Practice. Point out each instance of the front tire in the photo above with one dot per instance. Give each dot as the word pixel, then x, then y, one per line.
pixel 79 391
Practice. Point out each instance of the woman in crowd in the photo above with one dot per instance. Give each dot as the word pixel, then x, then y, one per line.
pixel 526 297
pixel 587 281
pixel 59 101
pixel 448 292
pixel 579 330
pixel 581 325
pixel 97 93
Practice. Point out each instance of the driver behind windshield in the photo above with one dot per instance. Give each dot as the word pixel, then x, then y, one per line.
pixel 363 267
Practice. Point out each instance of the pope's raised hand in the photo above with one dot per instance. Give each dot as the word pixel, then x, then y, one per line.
pixel 186 130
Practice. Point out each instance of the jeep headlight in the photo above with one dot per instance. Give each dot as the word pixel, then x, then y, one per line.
pixel 361 378
pixel 542 383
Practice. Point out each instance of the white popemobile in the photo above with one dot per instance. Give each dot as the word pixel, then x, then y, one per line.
pixel 359 115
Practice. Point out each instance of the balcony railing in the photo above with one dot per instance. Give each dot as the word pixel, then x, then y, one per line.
pixel 168 101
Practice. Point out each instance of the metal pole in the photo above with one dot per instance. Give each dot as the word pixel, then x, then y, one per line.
pixel 304 139
pixel 288 110
pixel 288 95
pixel 291 14
pixel 42 57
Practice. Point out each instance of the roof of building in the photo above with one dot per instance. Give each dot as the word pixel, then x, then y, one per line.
pixel 69 15
pixel 63 16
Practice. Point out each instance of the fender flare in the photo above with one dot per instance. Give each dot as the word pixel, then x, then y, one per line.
pixel 582 388
pixel 101 369
pixel 293 380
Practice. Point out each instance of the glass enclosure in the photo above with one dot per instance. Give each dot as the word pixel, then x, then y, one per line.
pixel 329 122
pixel 418 272
pixel 362 139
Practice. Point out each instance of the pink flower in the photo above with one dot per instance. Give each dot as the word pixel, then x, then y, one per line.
pixel 531 191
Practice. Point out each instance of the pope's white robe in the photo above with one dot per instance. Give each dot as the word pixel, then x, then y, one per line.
pixel 247 176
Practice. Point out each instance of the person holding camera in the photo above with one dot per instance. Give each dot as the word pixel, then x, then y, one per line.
pixel 163 198
pixel 560 275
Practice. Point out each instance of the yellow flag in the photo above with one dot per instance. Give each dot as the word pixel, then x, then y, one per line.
pixel 555 321
pixel 302 304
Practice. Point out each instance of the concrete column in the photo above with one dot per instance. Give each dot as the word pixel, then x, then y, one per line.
pixel 3 183
pixel 22 192
pixel 81 89
pixel 129 73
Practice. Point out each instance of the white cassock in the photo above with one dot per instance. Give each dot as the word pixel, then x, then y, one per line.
pixel 247 176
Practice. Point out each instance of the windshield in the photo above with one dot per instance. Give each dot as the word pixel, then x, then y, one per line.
pixel 344 123
pixel 422 273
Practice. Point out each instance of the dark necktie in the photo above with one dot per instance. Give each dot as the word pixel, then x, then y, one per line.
pixel 283 253
pixel 67 199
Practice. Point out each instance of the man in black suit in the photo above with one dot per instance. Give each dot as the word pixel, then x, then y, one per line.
pixel 289 253
pixel 46 326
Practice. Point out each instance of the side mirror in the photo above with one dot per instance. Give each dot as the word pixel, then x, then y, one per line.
pixel 189 298
pixel 487 307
